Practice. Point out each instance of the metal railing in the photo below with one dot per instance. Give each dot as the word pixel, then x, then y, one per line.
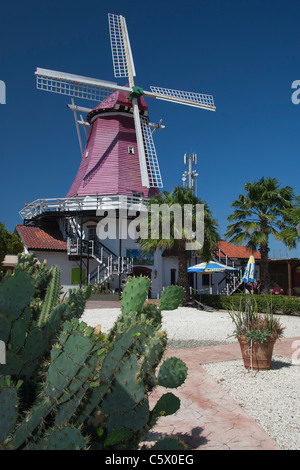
pixel 108 263
pixel 82 203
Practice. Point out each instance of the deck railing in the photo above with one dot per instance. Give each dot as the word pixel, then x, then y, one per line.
pixel 82 203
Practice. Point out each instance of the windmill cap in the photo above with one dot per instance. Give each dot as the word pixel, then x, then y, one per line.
pixel 117 101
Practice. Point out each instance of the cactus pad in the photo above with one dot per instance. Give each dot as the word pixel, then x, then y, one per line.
pixel 152 313
pixel 171 298
pixel 15 293
pixel 67 438
pixel 134 294
pixel 8 408
pixel 117 436
pixel 167 405
pixel 172 373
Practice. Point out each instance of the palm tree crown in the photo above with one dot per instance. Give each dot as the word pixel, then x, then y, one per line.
pixel 259 214
pixel 182 197
pixel 290 233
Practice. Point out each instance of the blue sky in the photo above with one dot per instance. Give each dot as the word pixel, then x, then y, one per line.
pixel 244 53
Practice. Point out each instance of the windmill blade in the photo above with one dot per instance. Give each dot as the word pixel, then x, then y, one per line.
pixel 140 143
pixel 77 127
pixel 77 86
pixel 120 47
pixel 155 180
pixel 198 100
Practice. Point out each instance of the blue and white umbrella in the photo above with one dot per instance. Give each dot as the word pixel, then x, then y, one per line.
pixel 210 267
pixel 250 271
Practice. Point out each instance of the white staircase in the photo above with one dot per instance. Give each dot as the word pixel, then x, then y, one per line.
pixel 233 282
pixel 108 264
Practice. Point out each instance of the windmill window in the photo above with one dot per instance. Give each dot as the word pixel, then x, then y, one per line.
pixel 131 150
pixel 137 194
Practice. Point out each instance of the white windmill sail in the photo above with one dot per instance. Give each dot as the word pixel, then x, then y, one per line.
pixel 120 46
pixel 189 98
pixel 154 175
pixel 75 86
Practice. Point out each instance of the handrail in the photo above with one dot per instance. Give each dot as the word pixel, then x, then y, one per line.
pixel 81 203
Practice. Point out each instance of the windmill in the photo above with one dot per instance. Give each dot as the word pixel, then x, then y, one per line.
pixel 109 94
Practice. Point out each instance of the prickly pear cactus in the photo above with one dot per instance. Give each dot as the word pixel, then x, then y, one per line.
pixel 153 313
pixel 171 298
pixel 80 388
pixel 8 406
pixel 39 272
pixel 15 294
pixel 172 373
pixel 134 294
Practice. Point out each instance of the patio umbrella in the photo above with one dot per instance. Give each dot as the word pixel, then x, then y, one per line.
pixel 250 271
pixel 209 268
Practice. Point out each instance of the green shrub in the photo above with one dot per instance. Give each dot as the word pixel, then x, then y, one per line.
pixel 277 303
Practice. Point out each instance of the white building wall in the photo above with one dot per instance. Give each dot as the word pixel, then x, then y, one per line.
pixel 65 265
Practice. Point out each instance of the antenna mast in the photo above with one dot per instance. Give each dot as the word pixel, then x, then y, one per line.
pixel 190 176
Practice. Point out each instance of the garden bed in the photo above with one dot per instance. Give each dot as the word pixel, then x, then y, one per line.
pixel 280 304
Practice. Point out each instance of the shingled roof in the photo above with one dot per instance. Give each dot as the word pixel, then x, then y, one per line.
pixel 236 251
pixel 45 239
pixel 226 248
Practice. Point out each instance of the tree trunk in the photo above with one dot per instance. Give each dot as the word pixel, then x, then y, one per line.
pixel 264 270
pixel 183 278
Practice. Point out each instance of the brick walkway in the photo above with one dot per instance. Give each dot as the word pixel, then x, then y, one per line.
pixel 208 418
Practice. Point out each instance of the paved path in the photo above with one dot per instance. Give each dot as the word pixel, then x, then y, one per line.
pixel 208 418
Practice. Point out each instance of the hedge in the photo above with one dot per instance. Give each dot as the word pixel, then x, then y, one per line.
pixel 278 303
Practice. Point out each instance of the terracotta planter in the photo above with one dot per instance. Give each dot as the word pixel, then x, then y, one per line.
pixel 257 356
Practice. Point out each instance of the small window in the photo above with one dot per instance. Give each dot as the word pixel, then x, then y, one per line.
pixel 137 194
pixel 131 150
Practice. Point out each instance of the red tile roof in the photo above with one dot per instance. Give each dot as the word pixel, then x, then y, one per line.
pixel 232 251
pixel 236 251
pixel 36 238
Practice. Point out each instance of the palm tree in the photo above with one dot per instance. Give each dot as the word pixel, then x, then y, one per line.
pixel 259 214
pixel 182 197
pixel 292 215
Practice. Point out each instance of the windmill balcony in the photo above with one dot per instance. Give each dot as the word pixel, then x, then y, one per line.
pixel 82 203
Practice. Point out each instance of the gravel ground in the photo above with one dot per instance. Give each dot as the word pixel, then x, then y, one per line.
pixel 270 397
pixel 188 327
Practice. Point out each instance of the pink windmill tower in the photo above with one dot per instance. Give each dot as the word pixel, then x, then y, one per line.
pixel 119 157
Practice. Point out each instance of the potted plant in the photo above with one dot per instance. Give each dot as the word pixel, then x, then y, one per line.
pixel 256 333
